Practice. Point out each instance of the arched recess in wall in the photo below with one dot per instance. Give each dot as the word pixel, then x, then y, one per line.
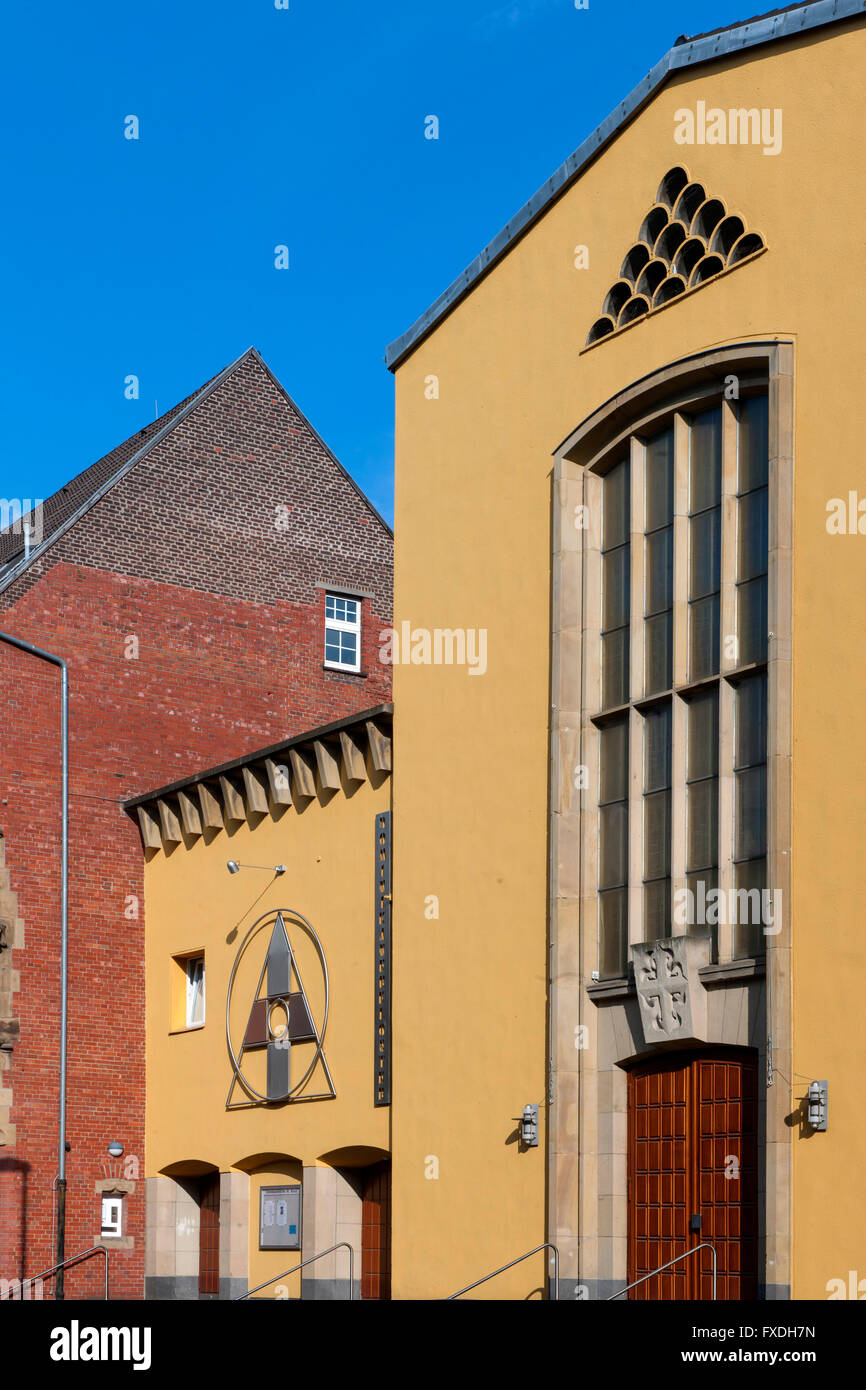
pixel 189 1168
pixel 353 1156
pixel 272 1162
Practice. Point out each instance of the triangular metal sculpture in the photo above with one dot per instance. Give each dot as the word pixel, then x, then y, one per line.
pixel 278 1019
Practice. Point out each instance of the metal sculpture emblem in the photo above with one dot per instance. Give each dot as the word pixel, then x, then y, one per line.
pixel 280 1017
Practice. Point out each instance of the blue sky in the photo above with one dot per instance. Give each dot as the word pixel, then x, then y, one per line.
pixel 261 127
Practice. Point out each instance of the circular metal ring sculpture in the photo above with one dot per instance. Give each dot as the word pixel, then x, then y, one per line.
pixel 273 917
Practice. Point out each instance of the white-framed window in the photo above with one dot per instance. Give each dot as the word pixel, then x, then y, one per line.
pixel 112 1217
pixel 342 632
pixel 194 991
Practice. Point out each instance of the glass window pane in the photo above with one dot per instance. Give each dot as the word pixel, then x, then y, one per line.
pixel 659 654
pixel 615 506
pixel 659 471
pixel 749 881
pixel 614 668
pixel 704 734
pixel 615 588
pixel 705 553
pixel 753 451
pixel 704 638
pixel 752 535
pixel 659 570
pixel 613 847
pixel 657 748
pixel 613 780
pixel 751 698
pixel 613 924
pixel 657 834
pixel 700 884
pixel 657 910
pixel 705 460
pixel 750 838
pixel 703 821
pixel 752 621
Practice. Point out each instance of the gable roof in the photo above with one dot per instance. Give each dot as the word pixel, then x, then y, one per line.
pixel 61 511
pixel 771 27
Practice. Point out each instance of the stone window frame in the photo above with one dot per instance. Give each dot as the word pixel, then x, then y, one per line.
pixel 574 997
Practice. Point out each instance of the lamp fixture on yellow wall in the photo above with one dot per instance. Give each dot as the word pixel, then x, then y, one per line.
pixel 233 866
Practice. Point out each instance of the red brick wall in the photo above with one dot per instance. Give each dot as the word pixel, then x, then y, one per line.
pixel 183 556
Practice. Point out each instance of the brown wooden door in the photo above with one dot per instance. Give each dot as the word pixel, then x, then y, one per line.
pixel 692 1151
pixel 376 1233
pixel 209 1235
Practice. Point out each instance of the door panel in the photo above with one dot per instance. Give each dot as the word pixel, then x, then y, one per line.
pixel 376 1233
pixel 727 1173
pixel 658 1179
pixel 692 1150
pixel 209 1235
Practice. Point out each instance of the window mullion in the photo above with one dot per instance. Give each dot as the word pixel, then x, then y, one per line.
pixel 635 823
pixel 636 687
pixel 679 757
pixel 728 625
pixel 681 552
pixel 726 813
pixel 638 569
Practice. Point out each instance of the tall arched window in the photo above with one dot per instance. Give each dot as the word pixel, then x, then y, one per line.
pixel 674 559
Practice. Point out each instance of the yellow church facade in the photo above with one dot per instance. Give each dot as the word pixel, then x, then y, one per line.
pixel 627 887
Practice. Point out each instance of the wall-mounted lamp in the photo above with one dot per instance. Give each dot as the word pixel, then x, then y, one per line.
pixel 529 1126
pixel 233 866
pixel 115 1149
pixel 817 1102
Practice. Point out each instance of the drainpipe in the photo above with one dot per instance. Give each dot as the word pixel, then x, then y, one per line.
pixel 64 935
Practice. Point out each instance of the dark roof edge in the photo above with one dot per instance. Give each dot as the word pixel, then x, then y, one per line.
pixel 315 433
pixel 377 712
pixel 125 468
pixel 750 34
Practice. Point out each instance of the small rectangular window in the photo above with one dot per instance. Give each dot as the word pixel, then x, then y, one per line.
pixel 615 586
pixel 112 1217
pixel 195 991
pixel 750 815
pixel 343 632
pixel 752 529
pixel 657 823
pixel 702 801
pixel 659 562
pixel 705 558
pixel 613 847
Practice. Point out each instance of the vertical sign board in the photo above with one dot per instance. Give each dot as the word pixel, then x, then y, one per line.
pixel 280 1218
pixel 382 966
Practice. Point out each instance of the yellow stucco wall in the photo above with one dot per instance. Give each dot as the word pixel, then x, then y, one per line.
pixel 473 551
pixel 193 902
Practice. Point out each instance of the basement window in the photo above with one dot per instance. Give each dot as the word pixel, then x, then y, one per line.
pixel 112 1217
pixel 342 632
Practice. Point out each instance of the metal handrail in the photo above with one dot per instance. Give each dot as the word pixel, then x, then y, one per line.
pixel 73 1259
pixel 341 1245
pixel 546 1246
pixel 644 1277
